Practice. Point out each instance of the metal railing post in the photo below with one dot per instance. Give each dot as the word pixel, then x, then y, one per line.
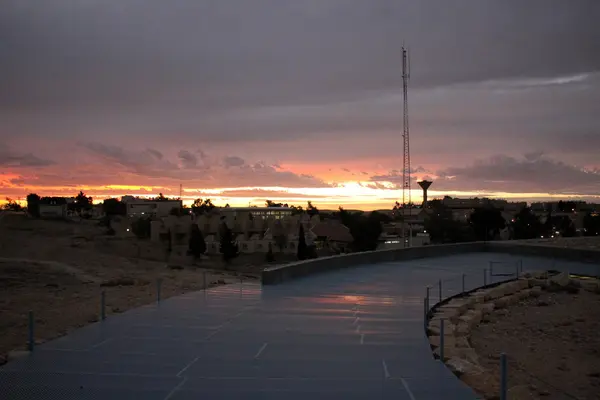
pixel 503 377
pixel 442 339
pixel 30 339
pixel 103 305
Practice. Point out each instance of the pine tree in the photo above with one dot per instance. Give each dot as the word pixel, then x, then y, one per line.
pixel 197 244
pixel 302 248
pixel 229 247
pixel 270 257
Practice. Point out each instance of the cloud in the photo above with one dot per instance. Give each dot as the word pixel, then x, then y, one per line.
pixel 9 158
pixel 187 159
pixel 204 172
pixel 233 161
pixel 532 173
pixel 267 194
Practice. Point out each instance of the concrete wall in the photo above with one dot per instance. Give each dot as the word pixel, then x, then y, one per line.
pixel 286 272
pixel 278 274
pixel 559 253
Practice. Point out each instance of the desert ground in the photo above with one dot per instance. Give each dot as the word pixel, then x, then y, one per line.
pixel 58 269
pixel 552 347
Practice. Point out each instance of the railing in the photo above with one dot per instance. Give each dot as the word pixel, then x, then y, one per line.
pixel 85 304
pixel 496 273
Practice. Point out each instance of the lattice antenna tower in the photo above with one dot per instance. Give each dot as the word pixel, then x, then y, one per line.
pixel 406 142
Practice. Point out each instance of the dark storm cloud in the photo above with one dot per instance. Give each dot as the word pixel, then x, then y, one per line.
pixel 11 158
pixel 531 173
pixel 182 60
pixel 208 172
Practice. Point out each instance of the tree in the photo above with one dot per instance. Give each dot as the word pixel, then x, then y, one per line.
pixel 114 207
pixel 281 241
pixel 296 210
pixel 302 248
pixel 200 206
pixel 141 228
pixel 82 202
pixel 591 224
pixel 12 205
pixel 269 257
pixel 443 228
pixel 228 245
pixel 527 225
pixel 311 210
pixel 33 204
pixel 365 229
pixel 160 197
pixel 197 244
pixel 270 203
pixel 169 244
pixel 486 223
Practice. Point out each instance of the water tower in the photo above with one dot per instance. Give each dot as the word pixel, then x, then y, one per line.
pixel 425 185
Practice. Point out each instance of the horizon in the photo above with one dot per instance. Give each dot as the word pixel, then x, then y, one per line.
pixel 240 102
pixel 326 206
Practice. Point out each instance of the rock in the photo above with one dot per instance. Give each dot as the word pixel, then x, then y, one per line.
pixel 590 285
pixel 538 282
pixel 468 354
pixel 539 274
pixel 456 305
pixel 497 292
pixel 561 279
pixel 502 312
pixel 501 303
pixel 462 329
pixel 434 327
pixel 449 352
pixel 461 367
pixel 472 318
pixel 536 291
pixel 449 341
pixel 513 299
pixel 485 308
pixel 462 343
pixel 524 294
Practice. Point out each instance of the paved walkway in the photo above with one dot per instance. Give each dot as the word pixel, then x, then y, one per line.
pixel 351 334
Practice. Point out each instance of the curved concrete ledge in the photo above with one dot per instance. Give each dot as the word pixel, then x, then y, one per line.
pixel 282 273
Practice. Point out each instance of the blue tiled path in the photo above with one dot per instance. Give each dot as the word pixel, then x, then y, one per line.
pixel 351 334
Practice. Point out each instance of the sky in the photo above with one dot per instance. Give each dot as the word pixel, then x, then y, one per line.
pixel 246 100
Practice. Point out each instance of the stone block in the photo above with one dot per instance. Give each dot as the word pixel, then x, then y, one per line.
pixel 460 366
pixel 462 329
pixel 462 343
pixel 501 303
pixel 472 318
pixel 524 294
pixel 561 279
pixel 513 299
pixel 536 291
pixel 485 308
pixel 590 285
pixel 538 282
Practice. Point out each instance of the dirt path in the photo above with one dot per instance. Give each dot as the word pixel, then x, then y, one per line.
pixel 552 345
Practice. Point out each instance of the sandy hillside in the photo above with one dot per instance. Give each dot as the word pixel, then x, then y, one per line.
pixel 58 270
